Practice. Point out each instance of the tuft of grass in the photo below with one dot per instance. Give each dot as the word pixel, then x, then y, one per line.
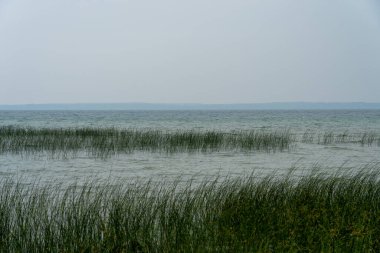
pixel 105 142
pixel 313 213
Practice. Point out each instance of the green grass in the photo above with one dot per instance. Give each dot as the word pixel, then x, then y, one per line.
pixel 314 213
pixel 101 142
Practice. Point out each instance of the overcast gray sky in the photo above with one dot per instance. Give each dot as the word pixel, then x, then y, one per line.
pixel 198 51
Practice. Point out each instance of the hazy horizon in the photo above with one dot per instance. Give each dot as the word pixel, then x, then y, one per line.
pixel 191 106
pixel 190 103
pixel 213 52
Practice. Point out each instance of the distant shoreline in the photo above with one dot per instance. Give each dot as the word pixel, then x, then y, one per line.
pixel 168 107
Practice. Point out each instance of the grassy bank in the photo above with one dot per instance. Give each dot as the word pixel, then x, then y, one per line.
pixel 314 213
pixel 101 142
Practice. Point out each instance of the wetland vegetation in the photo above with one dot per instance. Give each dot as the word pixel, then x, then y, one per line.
pixel 106 142
pixel 312 213
pixel 316 212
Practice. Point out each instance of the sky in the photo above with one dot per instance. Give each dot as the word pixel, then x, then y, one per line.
pixel 198 51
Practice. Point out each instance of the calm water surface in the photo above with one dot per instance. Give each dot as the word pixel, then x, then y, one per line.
pixel 156 165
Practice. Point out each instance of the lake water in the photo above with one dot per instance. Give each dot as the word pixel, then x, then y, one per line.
pixel 157 165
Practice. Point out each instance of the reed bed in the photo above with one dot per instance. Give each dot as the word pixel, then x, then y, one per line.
pixel 329 137
pixel 313 213
pixel 107 142
pixel 101 142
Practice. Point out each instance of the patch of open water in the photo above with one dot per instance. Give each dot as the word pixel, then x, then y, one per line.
pixel 194 165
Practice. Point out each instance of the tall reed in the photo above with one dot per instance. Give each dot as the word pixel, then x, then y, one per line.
pixel 314 213
pixel 106 142
pixel 101 142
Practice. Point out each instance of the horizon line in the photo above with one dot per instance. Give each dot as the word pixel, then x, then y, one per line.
pixel 192 106
pixel 186 103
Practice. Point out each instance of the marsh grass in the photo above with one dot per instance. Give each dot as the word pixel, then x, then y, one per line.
pixel 330 137
pixel 107 142
pixel 101 142
pixel 313 213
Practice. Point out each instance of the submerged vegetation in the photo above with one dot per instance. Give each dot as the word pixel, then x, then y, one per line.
pixel 103 142
pixel 106 142
pixel 326 138
pixel 314 213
